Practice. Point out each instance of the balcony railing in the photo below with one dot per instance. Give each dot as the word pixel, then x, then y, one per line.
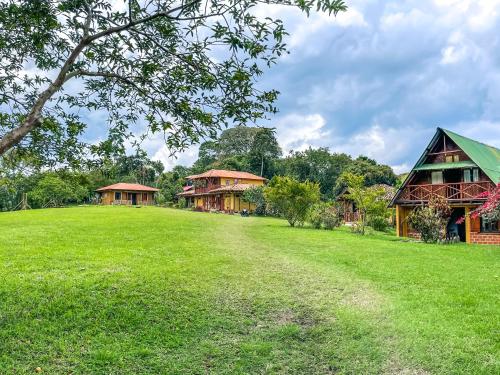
pixel 202 190
pixel 460 191
pixel 350 217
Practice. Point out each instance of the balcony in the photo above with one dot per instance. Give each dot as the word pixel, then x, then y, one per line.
pixel 459 191
pixel 205 189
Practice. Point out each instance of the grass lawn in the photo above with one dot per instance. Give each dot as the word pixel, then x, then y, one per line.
pixel 118 290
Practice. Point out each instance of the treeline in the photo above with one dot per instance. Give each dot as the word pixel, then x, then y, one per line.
pixel 250 149
pixel 65 186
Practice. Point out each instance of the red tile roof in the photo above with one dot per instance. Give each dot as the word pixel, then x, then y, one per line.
pixel 235 187
pixel 225 173
pixel 128 187
pixel 185 193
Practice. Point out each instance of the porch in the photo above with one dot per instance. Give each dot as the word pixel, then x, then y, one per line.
pixel 453 192
pixel 124 202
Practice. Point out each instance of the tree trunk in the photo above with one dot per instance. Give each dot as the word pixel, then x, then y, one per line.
pixel 262 165
pixel 34 118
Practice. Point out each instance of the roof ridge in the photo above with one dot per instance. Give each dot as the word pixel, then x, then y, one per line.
pixel 469 139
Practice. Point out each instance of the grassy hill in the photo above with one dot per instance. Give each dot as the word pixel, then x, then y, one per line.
pixel 117 290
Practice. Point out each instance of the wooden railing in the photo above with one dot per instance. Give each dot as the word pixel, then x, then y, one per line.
pixel 452 191
pixel 350 217
pixel 202 190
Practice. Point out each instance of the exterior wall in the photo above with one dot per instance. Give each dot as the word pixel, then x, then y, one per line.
pixel 230 202
pixel 143 198
pixel 485 238
pixel 473 232
pixel 482 238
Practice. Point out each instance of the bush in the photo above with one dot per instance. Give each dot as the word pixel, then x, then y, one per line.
pixel 325 216
pixel 379 223
pixel 292 199
pixel 331 217
pixel 182 203
pixel 430 221
pixel 255 195
pixel 316 217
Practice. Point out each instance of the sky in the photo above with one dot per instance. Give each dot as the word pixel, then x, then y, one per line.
pixel 378 79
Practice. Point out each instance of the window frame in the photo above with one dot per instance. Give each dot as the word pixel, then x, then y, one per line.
pixel 469 172
pixel 484 229
pixel 432 177
pixel 118 195
pixel 475 174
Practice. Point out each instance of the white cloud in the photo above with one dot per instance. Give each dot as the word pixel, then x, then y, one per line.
pixel 185 158
pixel 385 144
pixel 482 130
pixel 298 132
pixel 452 54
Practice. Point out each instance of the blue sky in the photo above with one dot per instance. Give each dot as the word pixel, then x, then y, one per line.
pixel 380 78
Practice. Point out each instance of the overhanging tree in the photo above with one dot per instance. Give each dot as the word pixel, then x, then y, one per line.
pixel 186 68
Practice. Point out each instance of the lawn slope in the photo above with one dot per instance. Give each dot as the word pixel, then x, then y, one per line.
pixel 118 290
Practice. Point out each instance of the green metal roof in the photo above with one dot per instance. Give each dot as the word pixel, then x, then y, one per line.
pixel 486 157
pixel 441 166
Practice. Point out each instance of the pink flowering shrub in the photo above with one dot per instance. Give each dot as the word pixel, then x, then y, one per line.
pixel 489 210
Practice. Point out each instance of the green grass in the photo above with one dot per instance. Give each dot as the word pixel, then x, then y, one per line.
pixel 116 290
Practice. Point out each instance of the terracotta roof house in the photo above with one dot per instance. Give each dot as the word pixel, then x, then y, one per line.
pixel 220 190
pixel 459 169
pixel 127 194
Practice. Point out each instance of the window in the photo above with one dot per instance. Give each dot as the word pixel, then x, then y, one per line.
pixel 467 175
pixel 437 177
pixel 118 196
pixel 456 158
pixel 475 175
pixel 228 182
pixel 489 225
pixel 145 197
pixel 449 158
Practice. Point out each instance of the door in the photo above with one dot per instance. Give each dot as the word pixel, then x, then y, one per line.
pixel 133 198
pixel 456 227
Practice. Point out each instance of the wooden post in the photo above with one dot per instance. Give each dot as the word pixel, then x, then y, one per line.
pixel 467 224
pixel 398 216
pixel 404 223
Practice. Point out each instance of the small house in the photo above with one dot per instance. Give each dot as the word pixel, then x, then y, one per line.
pixel 349 210
pixel 127 194
pixel 461 170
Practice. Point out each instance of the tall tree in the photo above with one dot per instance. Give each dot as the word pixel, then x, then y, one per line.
pixel 244 148
pixel 151 60
pixel 265 149
pixel 317 165
pixel 374 173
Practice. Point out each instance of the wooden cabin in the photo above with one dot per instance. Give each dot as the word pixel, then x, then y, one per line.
pixel 127 194
pixel 349 211
pixel 220 190
pixel 459 169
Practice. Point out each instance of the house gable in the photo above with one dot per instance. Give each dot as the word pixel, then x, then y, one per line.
pixel 448 151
